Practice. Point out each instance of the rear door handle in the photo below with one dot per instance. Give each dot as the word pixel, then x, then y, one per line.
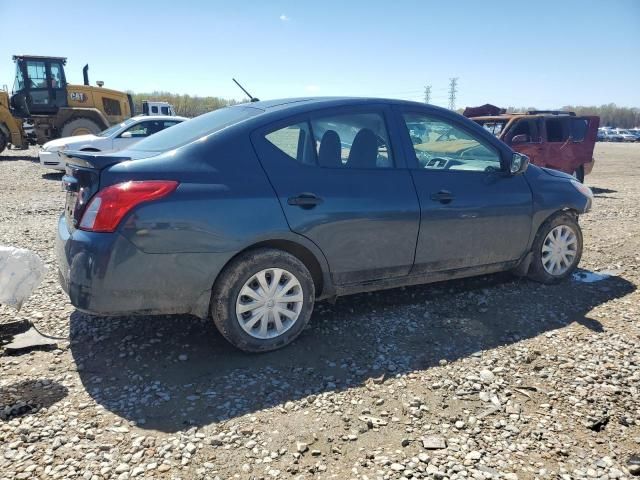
pixel 443 196
pixel 305 200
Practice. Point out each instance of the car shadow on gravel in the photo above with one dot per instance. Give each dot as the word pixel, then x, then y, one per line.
pixel 172 372
pixel 29 396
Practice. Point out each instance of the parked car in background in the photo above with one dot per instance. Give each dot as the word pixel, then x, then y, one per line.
pixel 626 135
pixel 114 138
pixel 555 139
pixel 609 135
pixel 251 213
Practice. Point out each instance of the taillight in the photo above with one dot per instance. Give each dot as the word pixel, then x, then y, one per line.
pixel 109 206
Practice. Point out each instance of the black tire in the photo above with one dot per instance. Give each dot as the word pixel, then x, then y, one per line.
pixel 579 173
pixel 233 278
pixel 3 142
pixel 80 124
pixel 537 270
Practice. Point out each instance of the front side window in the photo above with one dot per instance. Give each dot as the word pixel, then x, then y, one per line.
pixel 440 145
pixel 141 130
pixel 358 140
pixel 37 74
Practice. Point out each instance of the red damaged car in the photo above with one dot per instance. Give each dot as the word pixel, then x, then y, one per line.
pixel 554 139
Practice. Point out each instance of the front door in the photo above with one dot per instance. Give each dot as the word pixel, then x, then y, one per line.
pixel 341 185
pixel 472 212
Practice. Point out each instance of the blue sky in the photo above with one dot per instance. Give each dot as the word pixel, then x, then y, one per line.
pixel 542 53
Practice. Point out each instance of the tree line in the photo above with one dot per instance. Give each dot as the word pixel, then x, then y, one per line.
pixel 611 115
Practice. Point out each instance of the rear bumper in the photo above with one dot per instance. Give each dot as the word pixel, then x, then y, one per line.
pixel 105 274
pixel 50 160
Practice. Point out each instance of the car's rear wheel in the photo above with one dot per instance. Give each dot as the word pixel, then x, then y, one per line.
pixel 263 300
pixel 557 249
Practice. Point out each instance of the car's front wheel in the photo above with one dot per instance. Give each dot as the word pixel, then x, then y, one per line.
pixel 557 249
pixel 262 300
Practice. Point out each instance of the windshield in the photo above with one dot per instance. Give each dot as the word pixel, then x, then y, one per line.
pixel 191 130
pixel 115 128
pixel 493 126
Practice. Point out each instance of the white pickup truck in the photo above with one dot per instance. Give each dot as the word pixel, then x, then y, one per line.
pixel 157 108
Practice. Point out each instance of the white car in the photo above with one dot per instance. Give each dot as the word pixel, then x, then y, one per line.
pixel 114 138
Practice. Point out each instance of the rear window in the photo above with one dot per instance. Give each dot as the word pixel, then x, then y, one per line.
pixel 187 132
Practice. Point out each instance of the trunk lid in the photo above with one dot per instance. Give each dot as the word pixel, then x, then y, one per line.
pixel 82 181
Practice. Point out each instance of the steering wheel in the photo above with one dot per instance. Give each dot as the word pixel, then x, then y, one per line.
pixel 437 162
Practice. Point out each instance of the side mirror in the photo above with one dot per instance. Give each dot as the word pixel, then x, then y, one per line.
pixel 518 163
pixel 522 138
pixel 126 135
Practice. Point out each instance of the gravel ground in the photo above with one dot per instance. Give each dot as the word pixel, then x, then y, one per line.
pixel 483 378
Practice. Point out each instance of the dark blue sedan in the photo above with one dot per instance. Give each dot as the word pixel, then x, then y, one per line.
pixel 251 213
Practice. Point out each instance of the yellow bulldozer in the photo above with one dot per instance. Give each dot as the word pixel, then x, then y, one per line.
pixel 43 100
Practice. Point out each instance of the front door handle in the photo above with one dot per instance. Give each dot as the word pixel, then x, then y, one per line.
pixel 443 196
pixel 305 200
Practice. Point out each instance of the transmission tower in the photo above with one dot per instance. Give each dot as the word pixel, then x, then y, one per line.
pixel 427 94
pixel 453 84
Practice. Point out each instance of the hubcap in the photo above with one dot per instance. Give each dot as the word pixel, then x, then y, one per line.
pixel 559 250
pixel 269 303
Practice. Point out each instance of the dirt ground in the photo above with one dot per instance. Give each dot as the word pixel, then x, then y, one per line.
pixel 491 377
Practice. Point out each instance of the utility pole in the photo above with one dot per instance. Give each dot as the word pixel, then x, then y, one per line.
pixel 427 94
pixel 453 84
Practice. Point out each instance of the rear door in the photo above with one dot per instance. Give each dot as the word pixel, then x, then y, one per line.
pixel 472 212
pixel 343 186
pixel 559 151
pixel 584 133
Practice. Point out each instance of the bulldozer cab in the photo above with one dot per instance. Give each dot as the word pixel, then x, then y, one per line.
pixel 40 86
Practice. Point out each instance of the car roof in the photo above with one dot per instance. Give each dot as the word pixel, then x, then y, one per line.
pixel 316 102
pixel 284 107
